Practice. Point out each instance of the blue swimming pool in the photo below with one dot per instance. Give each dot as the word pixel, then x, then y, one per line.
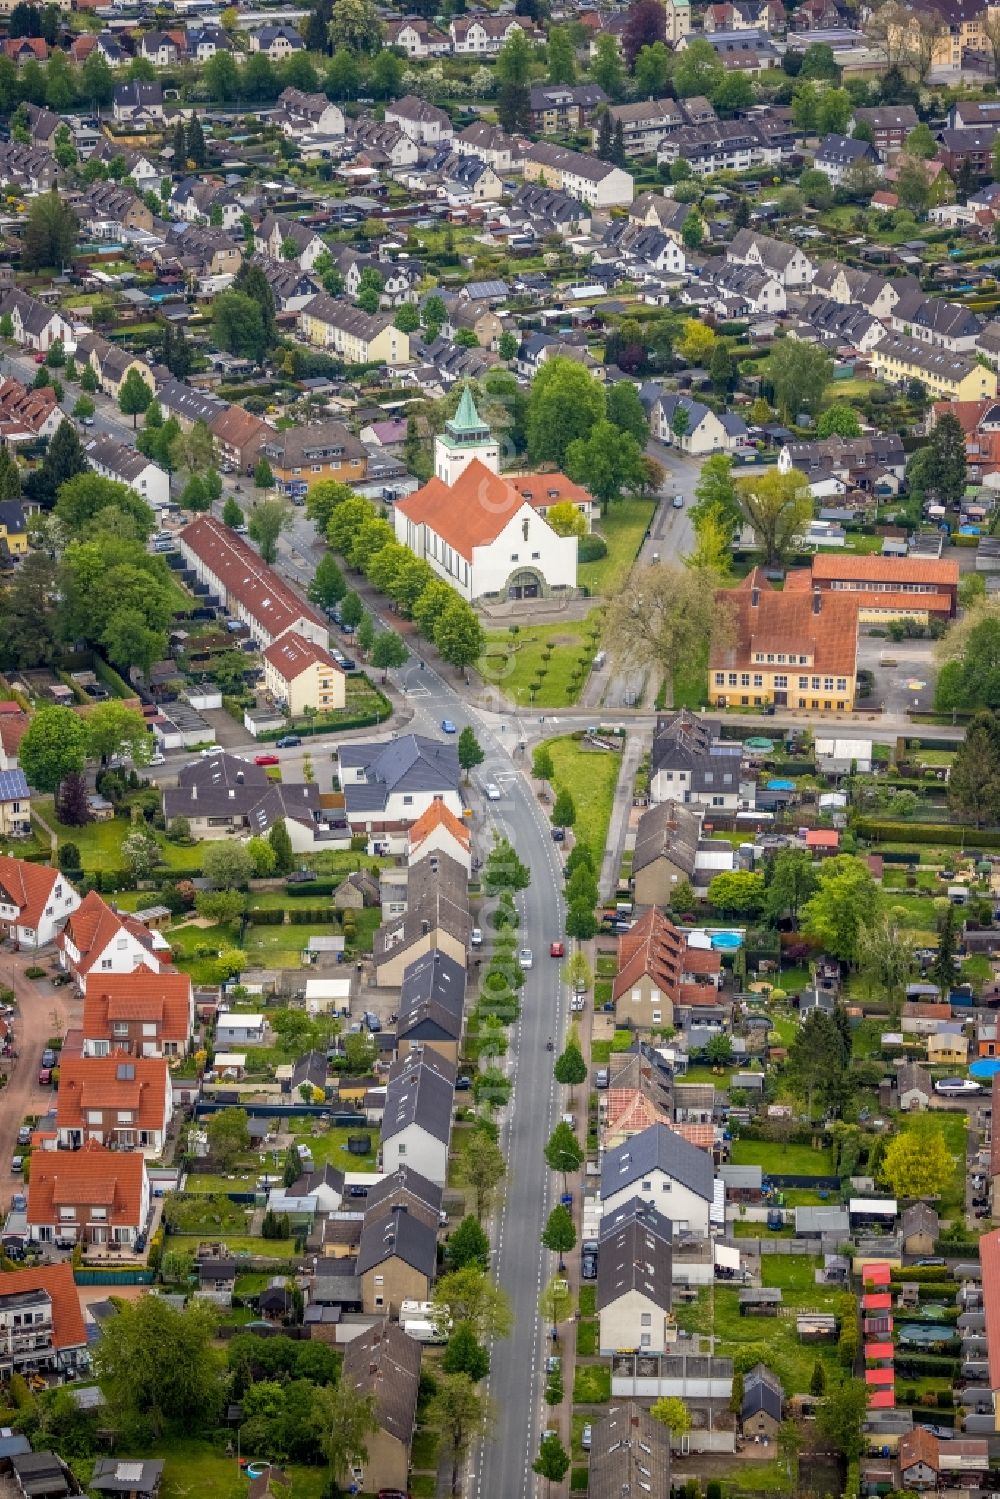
pixel 728 941
pixel 985 1067
pixel 781 785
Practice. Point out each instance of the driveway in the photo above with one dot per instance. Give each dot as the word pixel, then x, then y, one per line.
pixel 43 1010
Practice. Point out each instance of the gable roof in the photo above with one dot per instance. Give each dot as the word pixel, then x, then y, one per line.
pixel 821 625
pixel 407 1188
pixel 397 1235
pixel 138 1084
pixel 93 1176
pixel 474 510
pixel 667 830
pixel 634 1259
pixel 437 899
pixel 432 997
pixel 410 763
pixel 68 1329
pixel 421 1092
pixel 248 580
pixel 28 887
pixel 762 1392
pixel 94 925
pixel 658 1149
pixel 629 1454
pixel 437 815
pixel 143 995
pixel 384 1361
pixel 292 654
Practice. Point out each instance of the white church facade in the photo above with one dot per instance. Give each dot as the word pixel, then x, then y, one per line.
pixel 484 532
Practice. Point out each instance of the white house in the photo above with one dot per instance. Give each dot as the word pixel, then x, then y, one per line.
pixel 99 939
pixel 395 782
pixel 421 121
pixel 661 1167
pixel 680 421
pixel 232 1029
pixel 416 1124
pixel 634 1281
pixel 485 533
pixel 786 262
pixel 126 465
pixel 35 902
pixel 302 114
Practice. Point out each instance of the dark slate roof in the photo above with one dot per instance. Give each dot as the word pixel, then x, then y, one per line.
pixel 762 1391
pixel 658 1148
pixel 640 1212
pixel 119 1475
pixel 224 786
pixel 437 899
pixel 398 1235
pixel 432 998
pixel 633 1258
pixel 323 1176
pixel 406 1188
pixel 421 1091
pixel 385 1361
pixel 410 763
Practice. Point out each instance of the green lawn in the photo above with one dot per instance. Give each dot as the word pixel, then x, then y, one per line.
pixel 591 777
pixel 271 1249
pixel 782 1160
pixel 100 842
pixel 331 1147
pixel 196 949
pixel 623 528
pixel 198 1468
pixel 514 662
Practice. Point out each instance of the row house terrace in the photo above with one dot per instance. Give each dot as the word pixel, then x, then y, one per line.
pixel 41 1324
pixel 121 1101
pixel 92 1197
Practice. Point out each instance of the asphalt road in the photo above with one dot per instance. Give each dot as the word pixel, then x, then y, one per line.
pixel 108 421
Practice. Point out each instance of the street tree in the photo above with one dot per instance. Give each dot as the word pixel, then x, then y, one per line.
pixel 468 1295
pixel 228 1136
pixel 664 614
pixel 389 653
pixel 556 1302
pixel 552 1462
pixel 54 746
pixel 470 751
pixel 542 767
pixel 503 869
pixel 232 515
pixel 459 1412
pixel 570 1068
pixel 263 477
pixel 467 1245
pixel 969 677
pixel 563 1152
pixel 777 506
pixel 134 396
pixel 464 1354
pixel 577 972
pixel 917 1162
pixel 564 809
pixel 715 495
pixel 267 521
pixel 481 1168
pixel 157 1365
pixel 559 1234
pixel 458 633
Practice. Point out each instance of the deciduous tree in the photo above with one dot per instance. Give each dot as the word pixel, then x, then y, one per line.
pixel 157 1364
pixel 662 616
pixel 54 746
pixel 777 507
pixel 564 405
pixel 268 519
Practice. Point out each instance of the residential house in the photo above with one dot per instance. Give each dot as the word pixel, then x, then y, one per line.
pixel 946 376
pixel 15 804
pixel 919 1226
pixel 41 1323
pixel 663 1169
pixel 36 326
pixel 416 1122
pixel 476 317
pixel 422 121
pixel 719 146
pixel 119 1100
pixel 491 144
pixel 111 365
pixel 292 288
pixel 968 150
pixel 277 233
pixel 558 107
pixel 406 1190
pixel 126 1478
pixel 645 125
pixel 159 48
pixel 384 1362
pixel 42 125
pixel 415 36
pixel 483 34
pixel 126 465
pixel 783 261
pixel 143 1013
pixel 278 42
pixel 431 1007
pixel 914 1087
pixel 13 526
pixel 355 336
pixel 378 144
pixel 762 1405
pixel 202 251
pixel 944 325
pixel 918 1457
pixel 634 1287
pixel 691 763
pixel 600 184
pixel 629 1453
pixel 437 915
pixel 136 100
pixel 221 795
pixel 948 1047
pixel 890 124
pixel 654 211
pixel 538 210
pixel 793 649
pixel 29 168
pixel 245 586
pixel 14 724
pixel 303 114
pixel 642 250
pixel 93 1197
pixel 438 830
pixel 678 420
pixel 397 1261
pixel 666 850
pixel 658 969
pixel 239 436
pixel 303 676
pixel 392 784
pixel 179 399
pixel 97 937
pixel 35 902
pixel 840 155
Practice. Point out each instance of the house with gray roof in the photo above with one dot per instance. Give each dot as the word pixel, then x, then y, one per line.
pixel 629 1454
pixel 436 916
pixel 703 431
pixel 431 1005
pixel 407 1188
pixel 388 785
pixel 419 1106
pixel 222 795
pixel 763 1399
pixel 634 1288
pixel 397 1261
pixel 126 465
pixel 666 851
pixel 817 1223
pixel 384 1362
pixel 661 1167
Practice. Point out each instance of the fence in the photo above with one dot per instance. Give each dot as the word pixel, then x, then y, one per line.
pixel 114 1276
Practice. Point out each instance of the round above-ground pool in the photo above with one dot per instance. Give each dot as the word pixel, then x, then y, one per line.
pixel 728 941
pixel 781 785
pixel 985 1067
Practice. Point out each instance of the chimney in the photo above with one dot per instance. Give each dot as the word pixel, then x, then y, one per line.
pixel 754 597
pixel 817 601
pixel 425 927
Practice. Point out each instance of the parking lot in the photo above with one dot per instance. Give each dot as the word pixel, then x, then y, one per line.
pixel 904 674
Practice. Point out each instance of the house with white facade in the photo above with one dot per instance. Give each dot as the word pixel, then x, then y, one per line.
pixel 784 261
pixel 126 465
pixel 36 901
pixel 245 586
pixel 235 1029
pixel 422 121
pixel 416 1123
pixel 678 420
pixel 101 939
pixel 661 1167
pixel 634 1281
pixel 485 533
pixel 393 783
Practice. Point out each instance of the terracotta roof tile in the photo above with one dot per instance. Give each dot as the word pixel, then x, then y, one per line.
pixel 246 578
pixel 767 621
pixel 118 1081
pixel 438 815
pixel 871 569
pixel 474 510
pixel 292 654
pixel 68 1330
pixel 93 1175
pixel 94 925
pixel 26 886
pixel 161 997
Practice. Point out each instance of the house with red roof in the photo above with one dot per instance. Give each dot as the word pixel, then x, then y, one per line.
pixel 486 533
pixel 437 830
pixel 659 971
pixel 90 1197
pixel 143 1013
pixel 99 938
pixel 118 1100
pixel 44 1299
pixel 245 585
pixel 302 675
pixel 35 902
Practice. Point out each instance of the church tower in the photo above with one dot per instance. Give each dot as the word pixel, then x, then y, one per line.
pixel 465 437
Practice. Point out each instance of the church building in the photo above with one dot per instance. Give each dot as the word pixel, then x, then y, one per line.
pixel 484 532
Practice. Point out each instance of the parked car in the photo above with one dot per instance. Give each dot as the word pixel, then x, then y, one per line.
pixel 586 1437
pixel 288 741
pixel 48 1057
pixel 525 957
pixel 17 1165
pixel 558 835
pixel 348 663
pixel 156 758
pixel 603 1078
pixel 678 502
pixel 476 937
pixel 18 1202
pixel 577 1003
pixel 267 760
pixel 45 1077
pixel 24 1135
pixel 372 1021
pixel 447 727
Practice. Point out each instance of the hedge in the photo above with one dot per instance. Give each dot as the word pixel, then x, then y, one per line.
pixel 312 887
pixel 914 1365
pixel 925 832
pixel 324 726
pixel 266 918
pixel 303 915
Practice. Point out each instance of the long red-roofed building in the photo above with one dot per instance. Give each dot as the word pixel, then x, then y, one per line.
pixel 658 971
